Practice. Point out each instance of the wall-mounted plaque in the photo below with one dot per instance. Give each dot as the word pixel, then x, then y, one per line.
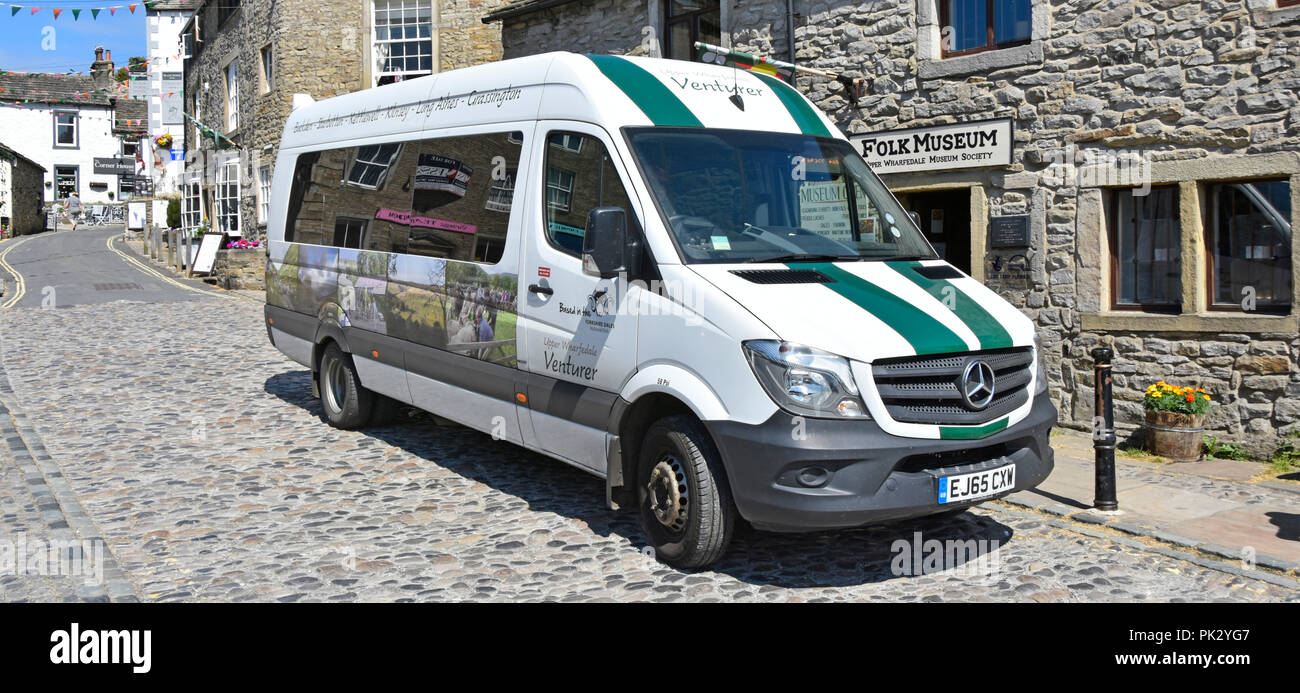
pixel 1009 232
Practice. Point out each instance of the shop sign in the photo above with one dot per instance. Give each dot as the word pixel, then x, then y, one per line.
pixel 939 148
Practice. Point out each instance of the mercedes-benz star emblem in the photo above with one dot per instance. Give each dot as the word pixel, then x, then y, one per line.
pixel 977 385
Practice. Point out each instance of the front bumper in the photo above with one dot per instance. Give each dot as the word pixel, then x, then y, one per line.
pixel 868 476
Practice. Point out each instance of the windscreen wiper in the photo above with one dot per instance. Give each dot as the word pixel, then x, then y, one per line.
pixel 804 257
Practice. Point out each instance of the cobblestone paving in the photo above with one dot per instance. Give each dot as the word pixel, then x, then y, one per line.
pixel 198 451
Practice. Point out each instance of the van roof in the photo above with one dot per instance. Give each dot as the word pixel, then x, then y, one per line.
pixel 613 91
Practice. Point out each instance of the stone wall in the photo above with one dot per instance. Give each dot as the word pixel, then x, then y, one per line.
pixel 239 269
pixel 320 48
pixel 586 26
pixel 467 40
pixel 21 190
pixel 1197 90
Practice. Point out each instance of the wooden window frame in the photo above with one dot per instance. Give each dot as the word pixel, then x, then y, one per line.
pixel 1209 214
pixel 692 19
pixel 990 43
pixel 76 128
pixel 1111 207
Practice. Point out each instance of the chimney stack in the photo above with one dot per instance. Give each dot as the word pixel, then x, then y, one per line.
pixel 102 69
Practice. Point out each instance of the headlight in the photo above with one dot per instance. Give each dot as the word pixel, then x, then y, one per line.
pixel 806 381
pixel 1041 376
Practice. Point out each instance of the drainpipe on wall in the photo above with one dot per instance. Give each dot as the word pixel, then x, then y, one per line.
pixel 437 36
pixel 789 28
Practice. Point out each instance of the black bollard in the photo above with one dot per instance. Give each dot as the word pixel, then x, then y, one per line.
pixel 1103 433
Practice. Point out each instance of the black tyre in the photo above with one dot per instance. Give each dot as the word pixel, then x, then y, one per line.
pixel 686 505
pixel 347 405
pixel 386 411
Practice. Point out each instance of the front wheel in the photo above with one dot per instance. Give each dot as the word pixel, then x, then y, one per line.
pixel 347 404
pixel 686 505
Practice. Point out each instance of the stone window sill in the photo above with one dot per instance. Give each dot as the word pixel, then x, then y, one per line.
pixel 1015 56
pixel 1137 321
pixel 1268 17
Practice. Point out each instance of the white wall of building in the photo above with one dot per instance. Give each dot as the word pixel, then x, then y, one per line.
pixel 29 130
pixel 164 33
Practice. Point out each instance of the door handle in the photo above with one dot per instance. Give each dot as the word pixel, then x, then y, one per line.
pixel 539 289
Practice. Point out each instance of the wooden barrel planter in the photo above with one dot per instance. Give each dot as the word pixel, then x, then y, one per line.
pixel 1178 437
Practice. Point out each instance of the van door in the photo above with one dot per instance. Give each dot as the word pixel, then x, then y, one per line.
pixel 578 346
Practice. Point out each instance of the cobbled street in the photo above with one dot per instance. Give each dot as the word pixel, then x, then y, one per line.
pixel 197 451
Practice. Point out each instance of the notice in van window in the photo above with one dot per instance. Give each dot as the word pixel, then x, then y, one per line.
pixel 424 222
pixel 444 174
pixel 824 210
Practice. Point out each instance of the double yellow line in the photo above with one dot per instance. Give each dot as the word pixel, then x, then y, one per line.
pixel 20 286
pixel 155 273
pixel 108 242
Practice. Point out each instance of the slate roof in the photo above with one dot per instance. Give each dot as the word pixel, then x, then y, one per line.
pixel 521 7
pixel 44 87
pixel 162 5
pixel 127 110
pixel 10 154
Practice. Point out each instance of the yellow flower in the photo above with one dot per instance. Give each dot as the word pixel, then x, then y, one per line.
pixel 1207 397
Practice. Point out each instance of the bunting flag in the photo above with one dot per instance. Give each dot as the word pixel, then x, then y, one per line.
pixel 76 13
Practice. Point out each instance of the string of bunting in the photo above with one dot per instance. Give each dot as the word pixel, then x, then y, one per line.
pixel 76 12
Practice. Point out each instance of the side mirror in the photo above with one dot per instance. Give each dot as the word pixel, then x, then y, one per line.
pixel 608 250
pixel 916 218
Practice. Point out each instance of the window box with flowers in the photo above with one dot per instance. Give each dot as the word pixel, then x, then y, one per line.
pixel 1175 418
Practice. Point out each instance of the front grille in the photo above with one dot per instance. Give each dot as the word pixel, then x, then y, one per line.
pixel 927 389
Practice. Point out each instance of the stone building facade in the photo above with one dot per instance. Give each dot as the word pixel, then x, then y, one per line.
pixel 1142 192
pixel 248 58
pixel 21 209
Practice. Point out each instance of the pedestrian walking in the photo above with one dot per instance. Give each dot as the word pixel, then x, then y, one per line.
pixel 75 209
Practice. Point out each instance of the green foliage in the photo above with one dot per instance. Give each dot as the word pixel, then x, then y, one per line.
pixel 1224 451
pixel 1287 457
pixel 1179 400
pixel 173 214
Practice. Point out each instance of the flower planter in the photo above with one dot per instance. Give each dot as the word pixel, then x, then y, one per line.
pixel 1178 437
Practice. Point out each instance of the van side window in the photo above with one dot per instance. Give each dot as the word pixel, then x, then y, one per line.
pixel 337 196
pixel 459 188
pixel 448 197
pixel 579 177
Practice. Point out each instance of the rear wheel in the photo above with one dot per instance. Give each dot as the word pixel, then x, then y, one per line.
pixel 686 505
pixel 347 404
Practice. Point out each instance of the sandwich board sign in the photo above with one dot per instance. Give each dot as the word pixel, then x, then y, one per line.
pixel 207 253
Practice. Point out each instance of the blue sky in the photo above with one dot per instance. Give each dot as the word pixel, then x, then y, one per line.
pixel 22 35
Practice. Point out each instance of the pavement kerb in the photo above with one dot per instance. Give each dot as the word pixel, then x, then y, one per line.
pixel 1083 520
pixel 128 245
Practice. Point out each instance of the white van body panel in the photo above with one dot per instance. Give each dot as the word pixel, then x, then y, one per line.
pixel 564 381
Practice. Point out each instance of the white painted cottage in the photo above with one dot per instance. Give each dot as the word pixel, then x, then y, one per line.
pixel 64 122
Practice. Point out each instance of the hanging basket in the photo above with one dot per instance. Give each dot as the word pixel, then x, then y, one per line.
pixel 1178 437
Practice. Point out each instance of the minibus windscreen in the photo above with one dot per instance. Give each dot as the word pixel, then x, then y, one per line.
pixel 742 196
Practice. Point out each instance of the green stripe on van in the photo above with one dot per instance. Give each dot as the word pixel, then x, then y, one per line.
pixel 803 113
pixel 991 333
pixel 923 332
pixel 646 91
pixel 972 432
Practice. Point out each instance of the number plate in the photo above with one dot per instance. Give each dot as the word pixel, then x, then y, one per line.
pixel 965 487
